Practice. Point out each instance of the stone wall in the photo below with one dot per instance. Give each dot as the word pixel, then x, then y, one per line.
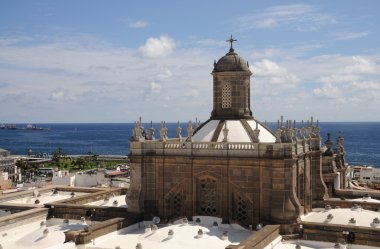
pixel 374 206
pixel 100 194
pixel 263 188
pixel 351 193
pixel 99 229
pixel 15 208
pixel 334 233
pixel 96 213
pixel 25 217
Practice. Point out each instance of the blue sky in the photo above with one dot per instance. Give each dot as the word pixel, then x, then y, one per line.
pixel 113 61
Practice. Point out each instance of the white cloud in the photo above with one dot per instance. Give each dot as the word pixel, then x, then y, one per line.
pixel 301 17
pixel 266 23
pixel 361 64
pixel 350 36
pixel 155 87
pixel 270 73
pixel 61 95
pixel 165 74
pixel 192 93
pixel 338 78
pixel 366 85
pixel 328 91
pixel 157 47
pixel 138 24
pixel 211 43
pixel 74 83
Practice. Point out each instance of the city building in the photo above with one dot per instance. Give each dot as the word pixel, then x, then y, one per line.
pixel 233 166
pixel 7 169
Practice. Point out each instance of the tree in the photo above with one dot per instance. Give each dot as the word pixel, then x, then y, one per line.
pixel 25 169
pixel 58 154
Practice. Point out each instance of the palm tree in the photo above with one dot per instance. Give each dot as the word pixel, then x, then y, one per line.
pixel 25 169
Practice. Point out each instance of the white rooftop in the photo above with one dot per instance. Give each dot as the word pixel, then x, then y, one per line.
pixel 185 236
pixel 342 216
pixel 115 201
pixel 365 199
pixel 46 197
pixel 31 235
pixel 309 244
pixel 236 133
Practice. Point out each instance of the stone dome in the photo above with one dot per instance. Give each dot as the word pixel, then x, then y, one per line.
pixel 239 131
pixel 231 62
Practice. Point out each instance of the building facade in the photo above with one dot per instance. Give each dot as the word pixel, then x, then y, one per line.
pixel 7 169
pixel 232 166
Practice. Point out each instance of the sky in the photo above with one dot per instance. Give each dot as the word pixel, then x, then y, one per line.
pixel 113 61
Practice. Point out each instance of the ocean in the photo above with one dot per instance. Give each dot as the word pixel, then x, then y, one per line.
pixel 361 139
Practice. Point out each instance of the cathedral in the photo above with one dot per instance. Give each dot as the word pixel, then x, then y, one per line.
pixel 233 166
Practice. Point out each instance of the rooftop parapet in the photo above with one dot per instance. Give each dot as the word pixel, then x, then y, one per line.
pixel 256 150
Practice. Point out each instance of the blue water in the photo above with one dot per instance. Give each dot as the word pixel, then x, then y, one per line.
pixel 361 140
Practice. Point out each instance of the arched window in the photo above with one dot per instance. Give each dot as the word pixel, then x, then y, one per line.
pixel 241 210
pixel 226 96
pixel 207 197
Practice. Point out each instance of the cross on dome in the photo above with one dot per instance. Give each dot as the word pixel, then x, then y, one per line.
pixel 231 40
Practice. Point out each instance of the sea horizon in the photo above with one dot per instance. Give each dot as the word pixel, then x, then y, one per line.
pixel 361 139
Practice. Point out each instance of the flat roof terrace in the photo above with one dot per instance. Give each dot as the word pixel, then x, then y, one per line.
pixel 39 198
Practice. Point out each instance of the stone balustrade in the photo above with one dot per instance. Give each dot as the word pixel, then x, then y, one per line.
pixel 245 149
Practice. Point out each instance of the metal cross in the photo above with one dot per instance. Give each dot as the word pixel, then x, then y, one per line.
pixel 231 40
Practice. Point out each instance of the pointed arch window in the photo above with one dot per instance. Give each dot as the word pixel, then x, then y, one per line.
pixel 207 197
pixel 226 96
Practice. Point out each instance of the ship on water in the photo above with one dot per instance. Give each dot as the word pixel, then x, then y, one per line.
pixel 28 127
pixel 35 128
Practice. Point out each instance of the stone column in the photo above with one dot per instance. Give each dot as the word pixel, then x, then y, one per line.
pixel 134 196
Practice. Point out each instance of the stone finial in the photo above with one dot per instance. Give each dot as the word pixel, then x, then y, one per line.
pixel 163 131
pixel 302 130
pixel 309 130
pixel 179 131
pixel 317 130
pixel 166 129
pixel 282 122
pixel 311 121
pixel 225 133
pixel 151 131
pixel 135 133
pixel 278 124
pixel 190 131
pixel 256 133
pixel 214 63
pixel 277 134
pixel 329 145
pixel 266 123
pixel 339 143
pixel 290 135
pixel 295 131
pixel 138 133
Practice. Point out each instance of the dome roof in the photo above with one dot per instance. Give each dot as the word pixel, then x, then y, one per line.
pixel 231 62
pixel 211 131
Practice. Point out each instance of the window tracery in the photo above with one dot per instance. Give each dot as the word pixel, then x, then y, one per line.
pixel 226 96
pixel 241 210
pixel 207 194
